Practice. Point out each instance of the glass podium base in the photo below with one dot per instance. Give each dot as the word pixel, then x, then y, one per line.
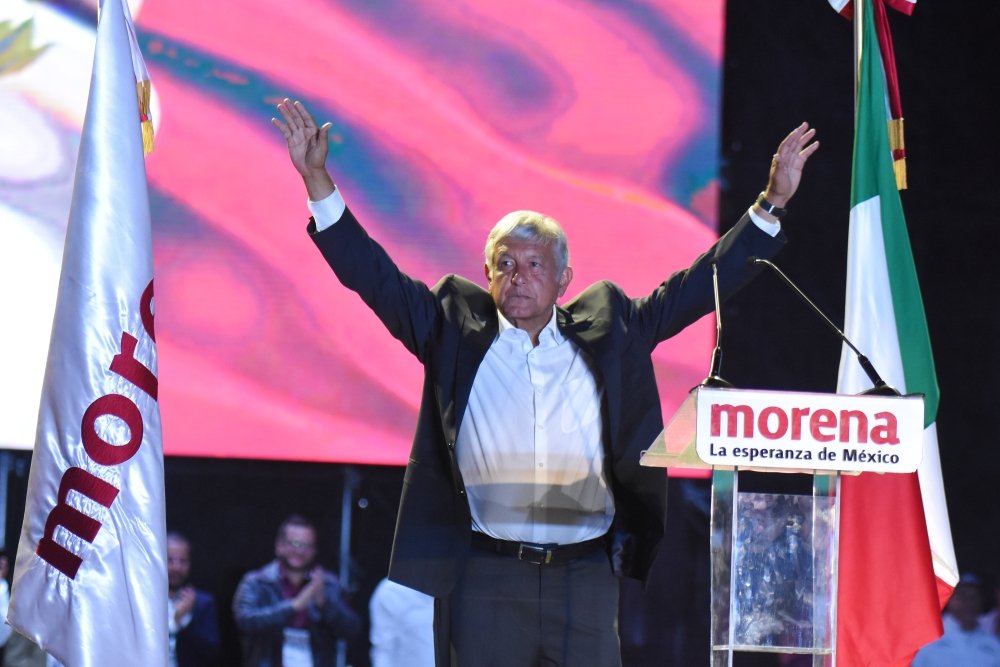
pixel 774 565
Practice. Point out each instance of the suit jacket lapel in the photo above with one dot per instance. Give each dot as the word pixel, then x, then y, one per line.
pixel 590 333
pixel 478 331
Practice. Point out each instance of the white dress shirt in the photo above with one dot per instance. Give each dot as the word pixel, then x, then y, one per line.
pixel 530 444
pixel 173 627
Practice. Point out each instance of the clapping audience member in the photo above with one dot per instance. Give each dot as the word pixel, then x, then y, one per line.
pixel 964 642
pixel 192 617
pixel 291 612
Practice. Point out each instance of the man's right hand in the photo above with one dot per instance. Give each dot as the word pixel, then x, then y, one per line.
pixel 307 147
pixel 313 592
pixel 184 603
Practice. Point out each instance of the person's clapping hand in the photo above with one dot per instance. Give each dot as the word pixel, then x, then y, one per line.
pixel 314 591
pixel 183 603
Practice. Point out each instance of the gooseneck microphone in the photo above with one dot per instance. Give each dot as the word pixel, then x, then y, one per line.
pixel 714 379
pixel 879 386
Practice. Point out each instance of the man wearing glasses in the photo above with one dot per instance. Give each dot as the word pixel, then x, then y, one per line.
pixel 291 612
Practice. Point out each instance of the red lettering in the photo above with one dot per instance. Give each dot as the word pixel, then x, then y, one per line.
pixel 103 452
pixel 860 418
pixel 133 370
pixel 733 414
pixel 764 423
pixel 798 414
pixel 72 519
pixel 885 433
pixel 146 310
pixel 111 406
pixel 820 420
pixel 824 425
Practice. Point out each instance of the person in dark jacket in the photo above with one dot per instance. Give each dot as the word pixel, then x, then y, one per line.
pixel 523 496
pixel 193 621
pixel 291 612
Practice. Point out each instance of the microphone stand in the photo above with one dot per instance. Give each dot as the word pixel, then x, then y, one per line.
pixel 879 387
pixel 714 379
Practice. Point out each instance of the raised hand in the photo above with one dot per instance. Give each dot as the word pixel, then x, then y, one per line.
pixel 788 162
pixel 183 603
pixel 307 146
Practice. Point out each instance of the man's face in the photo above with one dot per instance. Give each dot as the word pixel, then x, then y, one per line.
pixel 524 282
pixel 296 549
pixel 178 563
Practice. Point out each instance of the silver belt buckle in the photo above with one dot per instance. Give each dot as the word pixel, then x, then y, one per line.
pixel 533 554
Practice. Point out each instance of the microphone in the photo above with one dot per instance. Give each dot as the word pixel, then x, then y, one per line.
pixel 714 379
pixel 879 387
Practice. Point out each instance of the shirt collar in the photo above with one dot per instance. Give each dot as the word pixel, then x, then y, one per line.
pixel 550 332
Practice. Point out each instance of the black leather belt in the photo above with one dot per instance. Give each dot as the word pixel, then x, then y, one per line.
pixel 539 554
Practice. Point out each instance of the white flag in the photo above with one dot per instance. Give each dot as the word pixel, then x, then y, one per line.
pixel 90 582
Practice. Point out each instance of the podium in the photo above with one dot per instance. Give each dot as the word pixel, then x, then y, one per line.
pixel 774 555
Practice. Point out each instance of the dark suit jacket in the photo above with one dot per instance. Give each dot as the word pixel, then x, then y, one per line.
pixel 450 327
pixel 198 642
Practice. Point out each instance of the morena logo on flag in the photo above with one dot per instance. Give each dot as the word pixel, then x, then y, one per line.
pixel 100 451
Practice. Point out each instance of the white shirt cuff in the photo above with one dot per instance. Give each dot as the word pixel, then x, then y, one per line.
pixel 771 228
pixel 327 211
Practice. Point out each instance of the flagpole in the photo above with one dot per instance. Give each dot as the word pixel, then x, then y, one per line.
pixel 838 491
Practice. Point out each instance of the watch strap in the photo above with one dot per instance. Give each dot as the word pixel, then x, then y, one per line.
pixel 770 208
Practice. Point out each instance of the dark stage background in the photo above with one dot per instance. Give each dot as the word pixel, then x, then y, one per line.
pixel 786 61
pixel 782 66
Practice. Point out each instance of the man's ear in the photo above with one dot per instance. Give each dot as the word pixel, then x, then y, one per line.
pixel 486 270
pixel 564 279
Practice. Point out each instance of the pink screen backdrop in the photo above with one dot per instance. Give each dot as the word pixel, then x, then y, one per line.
pixel 446 115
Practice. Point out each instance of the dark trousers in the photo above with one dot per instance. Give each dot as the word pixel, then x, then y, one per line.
pixel 510 613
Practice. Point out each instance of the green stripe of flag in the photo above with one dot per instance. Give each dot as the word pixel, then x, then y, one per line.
pixel 873 176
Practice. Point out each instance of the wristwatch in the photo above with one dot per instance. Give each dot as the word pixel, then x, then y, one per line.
pixel 770 208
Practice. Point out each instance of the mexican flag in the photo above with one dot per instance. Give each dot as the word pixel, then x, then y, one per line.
pixel 897 562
